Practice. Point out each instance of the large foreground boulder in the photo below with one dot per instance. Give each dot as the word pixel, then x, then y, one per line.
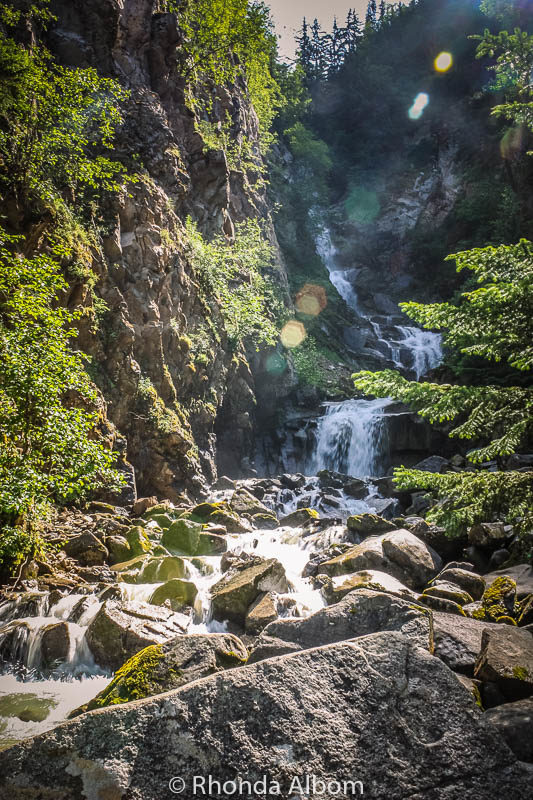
pixel 360 613
pixel 378 710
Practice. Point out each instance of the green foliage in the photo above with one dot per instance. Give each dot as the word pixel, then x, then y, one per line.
pixel 493 321
pixel 16 546
pixel 48 448
pixel 466 499
pixel 312 364
pixel 55 122
pixel 225 37
pixel 234 274
pixel 513 69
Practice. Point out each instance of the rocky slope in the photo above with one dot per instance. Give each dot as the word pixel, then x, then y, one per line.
pixel 174 411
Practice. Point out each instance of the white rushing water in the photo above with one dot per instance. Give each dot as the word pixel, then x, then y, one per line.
pixel 351 438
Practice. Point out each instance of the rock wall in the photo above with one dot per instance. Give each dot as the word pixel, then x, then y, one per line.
pixel 169 406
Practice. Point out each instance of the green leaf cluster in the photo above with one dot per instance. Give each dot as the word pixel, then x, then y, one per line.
pixel 48 450
pixel 56 125
pixel 493 321
pixel 227 38
pixel 235 274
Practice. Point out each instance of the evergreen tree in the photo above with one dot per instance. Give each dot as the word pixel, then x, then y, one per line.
pixel 382 10
pixel 352 31
pixel 318 59
pixel 494 322
pixel 371 14
pixel 305 49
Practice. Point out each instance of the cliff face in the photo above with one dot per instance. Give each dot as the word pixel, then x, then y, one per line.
pixel 173 408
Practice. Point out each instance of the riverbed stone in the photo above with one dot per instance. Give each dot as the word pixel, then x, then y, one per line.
pixel 265 522
pixel 232 596
pixel 55 644
pixel 119 549
pixel 366 579
pixel 122 628
pixel 298 518
pixel 487 534
pixel 243 502
pixel 498 600
pixel 469 581
pixel 506 659
pixel 359 613
pixel 369 524
pixel 514 722
pixel 138 541
pixel 261 613
pixel 188 538
pixel 87 549
pixel 441 604
pixel 458 640
pixel 521 574
pixel 161 569
pixel 327 711
pixel 448 591
pixel 176 593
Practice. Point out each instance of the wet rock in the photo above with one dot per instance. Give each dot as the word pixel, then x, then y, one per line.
pixel 243 502
pixel 506 659
pixel 469 581
pixel 165 568
pixel 230 520
pixel 420 502
pixel 233 595
pixel 365 556
pixel 261 613
pixel 356 488
pixel 188 538
pixel 298 518
pixel 293 481
pixel 514 722
pixel 458 640
pixel 55 644
pixel 487 534
pixel 265 522
pixel 87 549
pixel 176 593
pixel 121 629
pixel 119 549
pixel 138 541
pixel 369 524
pixel 224 483
pixel 498 558
pixel 361 612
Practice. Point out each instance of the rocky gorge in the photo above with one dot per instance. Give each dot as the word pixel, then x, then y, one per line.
pixel 259 610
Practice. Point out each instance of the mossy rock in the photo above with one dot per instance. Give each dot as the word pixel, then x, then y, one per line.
pixel 441 604
pixel 160 508
pixel 499 599
pixel 299 518
pixel 369 524
pixel 203 510
pixel 233 595
pixel 163 520
pixel 160 668
pixel 135 563
pixel 187 538
pixel 449 591
pixel 265 522
pixel 159 570
pixel 179 593
pixel 138 541
pixel 504 620
pixel 119 549
pixel 230 520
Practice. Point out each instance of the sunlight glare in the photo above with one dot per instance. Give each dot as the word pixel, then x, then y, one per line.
pixel 420 103
pixel 292 334
pixel 443 62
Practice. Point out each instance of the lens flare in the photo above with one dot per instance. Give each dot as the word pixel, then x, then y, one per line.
pixel 362 205
pixel 276 364
pixel 311 300
pixel 292 334
pixel 419 105
pixel 443 62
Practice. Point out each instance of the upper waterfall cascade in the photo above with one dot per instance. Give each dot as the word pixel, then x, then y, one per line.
pixel 351 436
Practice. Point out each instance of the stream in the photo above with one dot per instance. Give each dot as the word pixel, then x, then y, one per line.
pixel 350 438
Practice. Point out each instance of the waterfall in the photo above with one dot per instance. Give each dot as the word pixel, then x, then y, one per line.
pixel 424 346
pixel 351 438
